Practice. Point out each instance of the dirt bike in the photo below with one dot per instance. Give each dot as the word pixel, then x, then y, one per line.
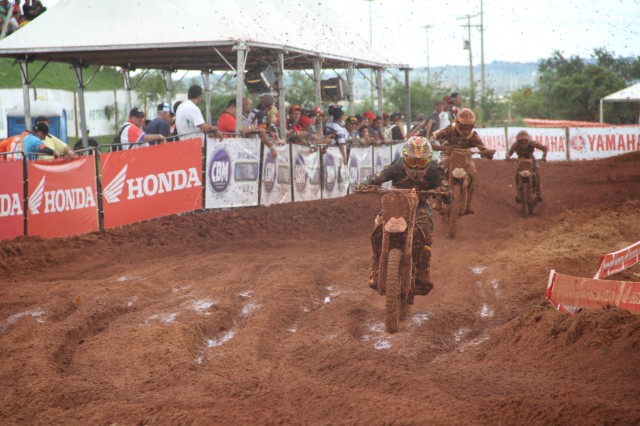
pixel 526 184
pixel 460 181
pixel 396 239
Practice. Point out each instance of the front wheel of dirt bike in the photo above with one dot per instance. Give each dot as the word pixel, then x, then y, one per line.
pixel 394 301
pixel 455 209
pixel 526 199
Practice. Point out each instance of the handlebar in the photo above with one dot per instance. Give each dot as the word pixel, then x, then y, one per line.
pixel 374 189
pixel 487 153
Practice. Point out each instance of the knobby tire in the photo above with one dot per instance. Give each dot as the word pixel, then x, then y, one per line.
pixel 394 301
pixel 455 212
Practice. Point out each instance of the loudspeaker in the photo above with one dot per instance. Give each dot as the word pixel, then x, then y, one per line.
pixel 260 79
pixel 334 89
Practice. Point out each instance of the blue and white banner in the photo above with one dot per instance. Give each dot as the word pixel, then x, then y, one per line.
pixel 233 169
pixel 276 176
pixel 360 165
pixel 306 174
pixel 335 174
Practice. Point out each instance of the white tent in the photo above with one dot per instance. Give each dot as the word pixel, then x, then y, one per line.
pixel 628 94
pixel 196 35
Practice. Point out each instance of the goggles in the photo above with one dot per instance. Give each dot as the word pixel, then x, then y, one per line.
pixel 416 163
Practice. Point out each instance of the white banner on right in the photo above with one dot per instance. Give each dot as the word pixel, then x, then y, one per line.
pixel 591 143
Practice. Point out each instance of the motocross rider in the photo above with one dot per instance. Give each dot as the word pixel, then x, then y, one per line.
pixel 413 170
pixel 460 135
pixel 524 147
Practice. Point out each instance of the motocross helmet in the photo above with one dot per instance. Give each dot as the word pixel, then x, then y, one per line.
pixel 465 121
pixel 417 152
pixel 523 135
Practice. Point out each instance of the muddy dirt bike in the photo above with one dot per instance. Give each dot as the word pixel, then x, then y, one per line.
pixel 460 182
pixel 526 185
pixel 396 239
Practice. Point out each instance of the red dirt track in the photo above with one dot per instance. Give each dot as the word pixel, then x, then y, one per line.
pixel 262 315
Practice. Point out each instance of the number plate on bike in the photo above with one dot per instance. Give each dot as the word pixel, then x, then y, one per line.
pixel 395 225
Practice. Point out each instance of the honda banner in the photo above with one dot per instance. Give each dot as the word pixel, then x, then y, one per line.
pixel 146 183
pixel 62 197
pixel 11 199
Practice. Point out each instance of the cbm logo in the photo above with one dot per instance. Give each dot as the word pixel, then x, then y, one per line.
pixel 378 166
pixel 219 172
pixel 300 173
pixel 330 172
pixel 269 174
pixel 354 172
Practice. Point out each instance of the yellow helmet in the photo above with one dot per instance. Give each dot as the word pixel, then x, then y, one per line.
pixel 417 152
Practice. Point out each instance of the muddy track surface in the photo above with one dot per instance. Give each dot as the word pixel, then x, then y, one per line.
pixel 263 316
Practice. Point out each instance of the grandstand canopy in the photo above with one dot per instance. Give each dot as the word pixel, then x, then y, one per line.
pixel 192 35
pixel 628 94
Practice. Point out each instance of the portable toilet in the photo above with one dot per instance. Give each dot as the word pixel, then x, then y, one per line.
pixel 54 112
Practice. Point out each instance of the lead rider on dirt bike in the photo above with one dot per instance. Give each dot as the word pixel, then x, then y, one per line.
pixel 460 135
pixel 414 170
pixel 524 147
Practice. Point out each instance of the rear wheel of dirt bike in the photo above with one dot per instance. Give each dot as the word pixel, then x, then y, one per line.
pixel 394 302
pixel 455 209
pixel 526 199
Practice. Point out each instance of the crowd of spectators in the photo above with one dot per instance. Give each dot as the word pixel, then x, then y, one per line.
pixel 14 16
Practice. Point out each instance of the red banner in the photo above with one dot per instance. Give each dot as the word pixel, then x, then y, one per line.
pixel 147 183
pixel 612 263
pixel 11 199
pixel 568 293
pixel 62 197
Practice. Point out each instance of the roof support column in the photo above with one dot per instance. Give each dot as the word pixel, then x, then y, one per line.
pixel 206 79
pixel 282 90
pixel 380 112
pixel 350 83
pixel 601 112
pixel 407 97
pixel 24 67
pixel 83 113
pixel 317 75
pixel 241 51
pixel 126 72
pixel 168 87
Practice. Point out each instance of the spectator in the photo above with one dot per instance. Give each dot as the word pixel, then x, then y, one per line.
pixel 91 142
pixel 162 123
pixel 227 120
pixel 173 129
pixel 365 137
pixel 265 110
pixel 337 133
pixel 426 127
pixel 351 125
pixel 397 132
pixel 375 128
pixel 189 121
pixel 34 142
pixel 416 129
pixel 455 107
pixel 131 134
pixel 386 126
pixel 444 119
pixel 247 112
pixel 295 112
pixel 59 148
pixel 13 144
pixel 319 116
pixel 14 22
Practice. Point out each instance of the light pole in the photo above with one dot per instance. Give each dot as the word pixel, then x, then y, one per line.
pixel 426 27
pixel 467 46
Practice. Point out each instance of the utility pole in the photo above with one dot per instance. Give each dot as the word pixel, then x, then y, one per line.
pixel 482 92
pixel 467 46
pixel 370 46
pixel 426 27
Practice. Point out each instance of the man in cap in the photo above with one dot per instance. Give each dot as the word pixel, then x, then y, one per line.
pixel 59 148
pixel 131 134
pixel 33 143
pixel 162 123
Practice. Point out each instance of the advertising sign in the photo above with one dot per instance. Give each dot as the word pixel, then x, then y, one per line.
pixel 276 176
pixel 360 165
pixel 334 174
pixel 494 138
pixel 590 143
pixel 306 173
pixel 11 199
pixel 553 138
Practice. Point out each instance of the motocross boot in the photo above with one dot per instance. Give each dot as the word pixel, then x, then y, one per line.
pixel 472 188
pixel 373 277
pixel 423 282
pixel 538 188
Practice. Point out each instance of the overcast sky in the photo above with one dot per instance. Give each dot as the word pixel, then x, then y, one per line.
pixel 515 30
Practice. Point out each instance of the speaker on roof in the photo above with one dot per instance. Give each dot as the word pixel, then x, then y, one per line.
pixel 260 78
pixel 334 89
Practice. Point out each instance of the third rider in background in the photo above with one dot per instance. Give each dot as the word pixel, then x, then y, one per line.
pixel 524 147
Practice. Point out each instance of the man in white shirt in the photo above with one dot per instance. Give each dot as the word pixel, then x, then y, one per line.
pixel 189 121
pixel 444 117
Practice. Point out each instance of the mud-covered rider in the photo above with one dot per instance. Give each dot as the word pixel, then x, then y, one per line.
pixel 414 170
pixel 524 146
pixel 460 135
